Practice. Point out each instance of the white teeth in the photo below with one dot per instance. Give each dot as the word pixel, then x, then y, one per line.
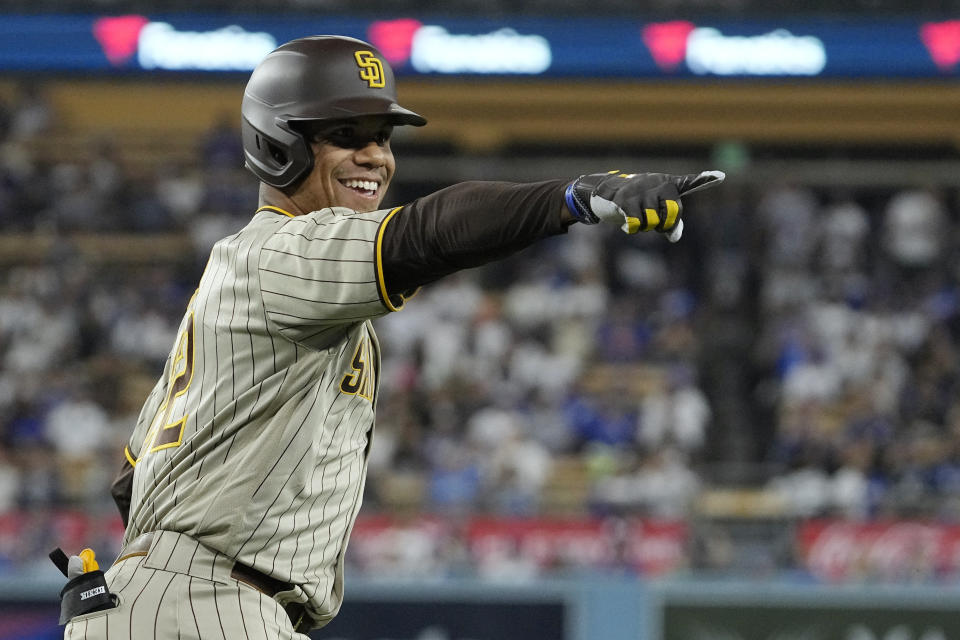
pixel 366 185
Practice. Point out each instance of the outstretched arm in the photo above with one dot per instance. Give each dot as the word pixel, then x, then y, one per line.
pixel 472 223
pixel 467 225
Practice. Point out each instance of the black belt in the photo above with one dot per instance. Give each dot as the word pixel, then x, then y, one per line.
pixel 260 581
pixel 271 587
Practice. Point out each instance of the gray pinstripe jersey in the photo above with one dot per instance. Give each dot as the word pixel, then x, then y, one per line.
pixel 255 440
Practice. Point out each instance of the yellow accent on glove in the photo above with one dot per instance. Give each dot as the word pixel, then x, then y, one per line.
pixel 673 208
pixel 631 226
pixel 89 560
pixel 653 218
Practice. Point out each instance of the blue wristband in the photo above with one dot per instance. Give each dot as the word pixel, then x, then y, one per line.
pixel 579 210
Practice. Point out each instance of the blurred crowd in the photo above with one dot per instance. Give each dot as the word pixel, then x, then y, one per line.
pixel 799 342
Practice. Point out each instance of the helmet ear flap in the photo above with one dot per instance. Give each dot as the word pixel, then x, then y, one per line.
pixel 276 153
pixel 279 159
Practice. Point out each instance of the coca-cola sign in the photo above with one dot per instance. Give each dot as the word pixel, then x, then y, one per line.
pixel 890 551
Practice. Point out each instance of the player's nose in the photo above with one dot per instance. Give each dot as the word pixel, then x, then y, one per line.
pixel 371 155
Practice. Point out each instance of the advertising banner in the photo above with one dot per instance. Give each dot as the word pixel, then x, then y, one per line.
pixel 629 47
pixel 516 547
pixel 897 551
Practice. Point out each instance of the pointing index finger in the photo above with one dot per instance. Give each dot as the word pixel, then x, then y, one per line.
pixel 696 182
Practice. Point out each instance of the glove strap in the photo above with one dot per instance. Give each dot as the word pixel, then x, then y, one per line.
pixel 578 202
pixel 86 593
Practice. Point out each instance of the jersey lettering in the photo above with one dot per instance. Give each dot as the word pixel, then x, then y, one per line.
pixel 360 382
pixel 166 434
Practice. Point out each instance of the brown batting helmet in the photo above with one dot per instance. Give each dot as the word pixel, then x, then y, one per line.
pixel 308 80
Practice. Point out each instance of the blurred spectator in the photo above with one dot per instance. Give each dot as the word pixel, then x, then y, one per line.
pixel 805 489
pixel 222 147
pixel 615 490
pixel 657 483
pixel 9 482
pixel 668 486
pixel 623 336
pixel 455 481
pixel 517 467
pixel 77 427
pixel 78 206
pixel 32 111
pixel 607 417
pixel 914 225
pixel 141 330
pixel 180 190
pixel 850 484
pixel 676 413
pixel 105 170
pixel 845 228
pixel 24 425
pixel 786 214
pixel 41 485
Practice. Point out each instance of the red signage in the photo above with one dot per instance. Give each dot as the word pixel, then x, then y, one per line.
pixel 118 36
pixel 394 38
pixel 667 42
pixel 887 551
pixel 942 40
pixel 493 545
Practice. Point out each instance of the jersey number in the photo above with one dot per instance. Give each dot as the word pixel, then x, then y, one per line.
pixel 360 382
pixel 166 433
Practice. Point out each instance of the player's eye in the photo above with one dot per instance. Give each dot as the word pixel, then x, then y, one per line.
pixel 342 137
pixel 352 137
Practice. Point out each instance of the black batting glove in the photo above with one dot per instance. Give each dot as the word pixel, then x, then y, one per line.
pixel 636 201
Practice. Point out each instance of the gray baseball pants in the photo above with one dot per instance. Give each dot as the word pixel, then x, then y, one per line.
pixel 181 590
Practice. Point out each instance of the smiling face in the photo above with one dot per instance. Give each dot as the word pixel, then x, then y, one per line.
pixel 352 166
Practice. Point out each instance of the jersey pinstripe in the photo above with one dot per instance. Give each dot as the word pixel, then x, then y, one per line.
pixel 254 441
pixel 179 589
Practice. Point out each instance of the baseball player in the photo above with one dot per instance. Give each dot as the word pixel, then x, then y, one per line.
pixel 243 476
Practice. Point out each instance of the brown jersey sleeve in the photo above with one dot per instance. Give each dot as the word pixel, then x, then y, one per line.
pixel 122 488
pixel 467 225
